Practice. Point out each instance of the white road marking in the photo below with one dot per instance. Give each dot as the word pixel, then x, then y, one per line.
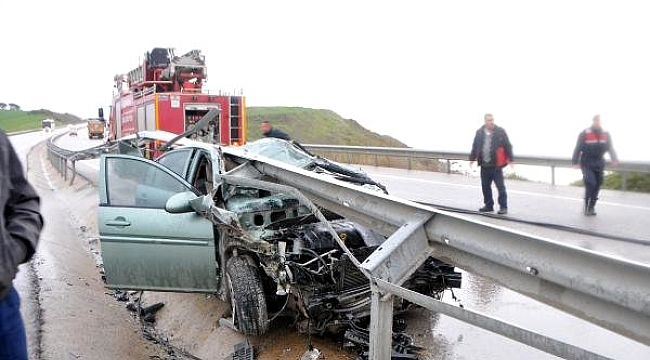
pixel 526 193
pixel 46 174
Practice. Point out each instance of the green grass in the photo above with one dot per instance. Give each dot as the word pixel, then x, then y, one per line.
pixel 637 182
pixel 515 176
pixel 318 126
pixel 18 120
pixel 315 126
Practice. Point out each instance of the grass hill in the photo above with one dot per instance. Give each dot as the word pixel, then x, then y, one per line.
pixel 316 126
pixel 19 120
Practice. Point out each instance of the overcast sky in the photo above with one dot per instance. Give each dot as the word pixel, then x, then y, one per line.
pixel 424 72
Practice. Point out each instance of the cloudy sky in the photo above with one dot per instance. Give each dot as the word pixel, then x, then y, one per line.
pixel 424 72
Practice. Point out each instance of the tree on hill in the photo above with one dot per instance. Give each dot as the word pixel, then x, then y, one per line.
pixel 13 106
pixel 3 106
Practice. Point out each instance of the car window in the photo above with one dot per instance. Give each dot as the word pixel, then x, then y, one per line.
pixel 280 150
pixel 176 160
pixel 136 183
pixel 202 175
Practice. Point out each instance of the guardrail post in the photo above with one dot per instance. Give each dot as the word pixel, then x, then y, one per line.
pixel 553 175
pixel 624 181
pixel 410 163
pixel 74 171
pixel 376 160
pixel 381 326
pixel 448 166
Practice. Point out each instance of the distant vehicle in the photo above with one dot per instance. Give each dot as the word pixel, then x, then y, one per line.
pixel 96 128
pixel 201 218
pixel 72 131
pixel 48 125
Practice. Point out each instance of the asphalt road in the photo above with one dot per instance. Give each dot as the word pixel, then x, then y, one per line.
pixel 620 214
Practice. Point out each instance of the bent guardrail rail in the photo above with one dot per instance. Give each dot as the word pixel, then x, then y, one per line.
pixel 606 290
pixel 623 167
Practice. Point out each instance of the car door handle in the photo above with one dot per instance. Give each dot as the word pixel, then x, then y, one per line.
pixel 118 222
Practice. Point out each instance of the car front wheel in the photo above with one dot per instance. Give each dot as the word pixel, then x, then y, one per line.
pixel 247 296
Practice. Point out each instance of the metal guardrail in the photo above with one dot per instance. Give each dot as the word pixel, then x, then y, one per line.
pixel 410 154
pixel 605 290
pixel 64 161
pixel 58 157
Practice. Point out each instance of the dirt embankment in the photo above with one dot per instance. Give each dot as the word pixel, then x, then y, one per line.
pixel 82 319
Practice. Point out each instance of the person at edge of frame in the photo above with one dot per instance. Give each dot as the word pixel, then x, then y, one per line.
pixel 20 230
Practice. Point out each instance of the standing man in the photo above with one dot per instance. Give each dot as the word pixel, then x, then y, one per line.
pixel 269 131
pixel 592 145
pixel 20 229
pixel 493 151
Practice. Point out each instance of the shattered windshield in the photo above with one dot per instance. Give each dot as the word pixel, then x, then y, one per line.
pixel 280 150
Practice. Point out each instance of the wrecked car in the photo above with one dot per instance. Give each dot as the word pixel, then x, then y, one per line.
pixel 186 216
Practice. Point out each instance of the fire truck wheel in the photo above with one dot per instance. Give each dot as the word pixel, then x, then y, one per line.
pixel 247 296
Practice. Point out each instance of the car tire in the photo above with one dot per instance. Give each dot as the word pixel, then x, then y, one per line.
pixel 247 296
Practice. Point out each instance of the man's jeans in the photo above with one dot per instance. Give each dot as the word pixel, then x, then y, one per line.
pixel 488 176
pixel 13 344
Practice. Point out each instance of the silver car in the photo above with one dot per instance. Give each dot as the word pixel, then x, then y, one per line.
pixel 202 219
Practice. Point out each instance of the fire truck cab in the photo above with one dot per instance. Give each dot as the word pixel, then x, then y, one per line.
pixel 166 93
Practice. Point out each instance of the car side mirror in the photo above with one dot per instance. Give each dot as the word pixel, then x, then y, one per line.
pixel 202 204
pixel 180 203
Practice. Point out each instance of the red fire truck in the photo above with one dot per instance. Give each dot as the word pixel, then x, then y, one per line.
pixel 166 93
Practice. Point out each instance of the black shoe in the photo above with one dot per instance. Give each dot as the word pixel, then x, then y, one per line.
pixel 486 209
pixel 502 211
pixel 591 208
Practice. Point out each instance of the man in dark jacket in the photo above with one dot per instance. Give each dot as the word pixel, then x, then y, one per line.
pixel 20 229
pixel 493 151
pixel 592 145
pixel 269 131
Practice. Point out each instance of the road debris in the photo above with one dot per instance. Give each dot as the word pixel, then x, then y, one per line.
pixel 357 338
pixel 243 351
pixel 311 354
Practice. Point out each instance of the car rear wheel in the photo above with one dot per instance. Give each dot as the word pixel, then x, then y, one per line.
pixel 247 296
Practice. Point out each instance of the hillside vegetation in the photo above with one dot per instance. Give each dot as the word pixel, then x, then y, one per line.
pixel 19 120
pixel 316 126
pixel 638 182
